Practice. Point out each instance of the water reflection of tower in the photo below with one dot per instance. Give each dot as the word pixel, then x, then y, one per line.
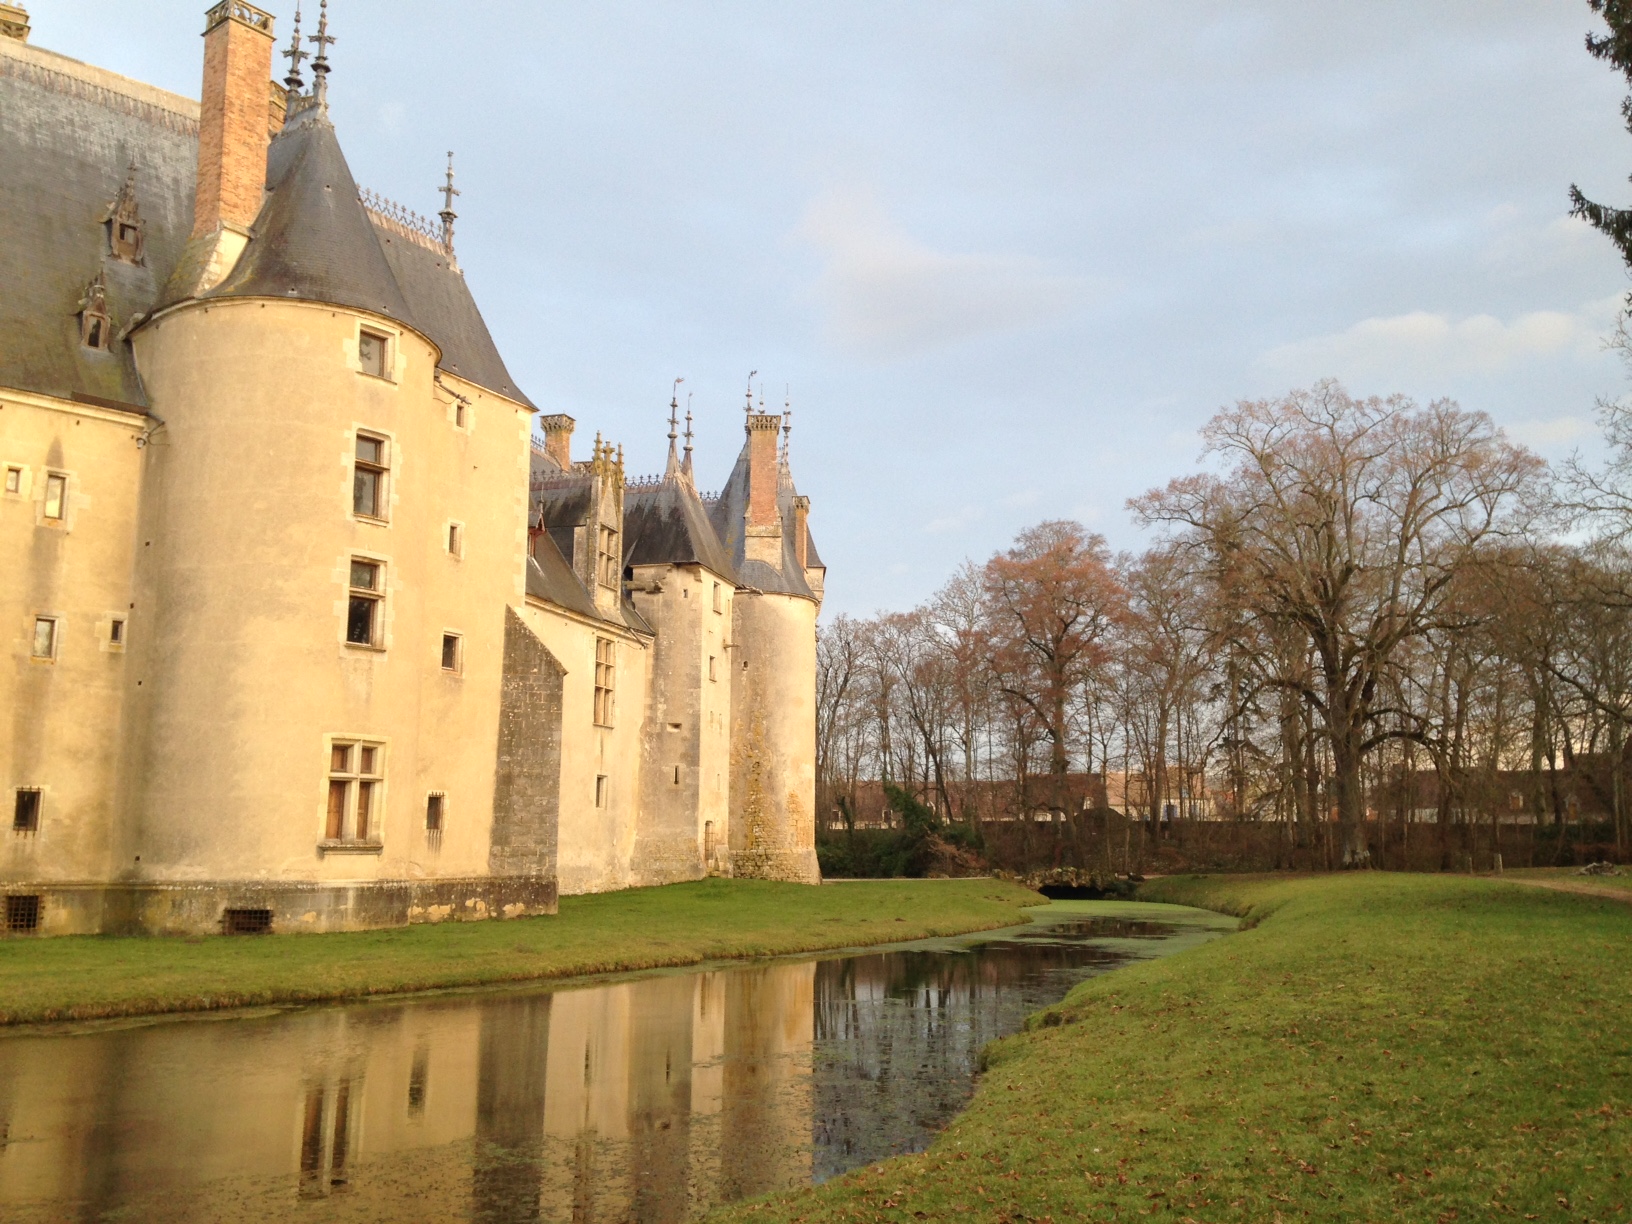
pixel 766 1090
pixel 512 1073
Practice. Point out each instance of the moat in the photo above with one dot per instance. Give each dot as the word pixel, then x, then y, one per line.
pixel 647 1098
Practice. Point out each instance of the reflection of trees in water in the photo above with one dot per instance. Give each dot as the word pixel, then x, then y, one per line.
pixel 898 1037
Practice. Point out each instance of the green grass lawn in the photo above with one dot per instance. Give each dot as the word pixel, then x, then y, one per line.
pixel 88 977
pixel 1368 1047
pixel 1571 877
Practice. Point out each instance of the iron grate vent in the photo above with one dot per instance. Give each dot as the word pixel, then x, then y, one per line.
pixel 22 913
pixel 246 922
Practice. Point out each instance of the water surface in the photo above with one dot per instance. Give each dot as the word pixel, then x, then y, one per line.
pixel 649 1098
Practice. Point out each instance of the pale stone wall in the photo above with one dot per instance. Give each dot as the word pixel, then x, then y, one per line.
pixel 773 738
pixel 60 717
pixel 683 821
pixel 241 674
pixel 594 844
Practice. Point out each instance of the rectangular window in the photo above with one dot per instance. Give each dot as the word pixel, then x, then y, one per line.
pixel 433 811
pixel 368 474
pixel 459 413
pixel 605 676
pixel 363 607
pixel 356 783
pixel 246 922
pixel 450 652
pixel 608 557
pixel 14 480
pixel 56 495
pixel 372 351
pixel 116 632
pixel 456 539
pixel 711 674
pixel 600 790
pixel 717 606
pixel 45 637
pixel 25 815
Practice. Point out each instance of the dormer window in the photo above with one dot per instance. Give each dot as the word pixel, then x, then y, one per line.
pixel 95 328
pixel 126 235
pixel 607 548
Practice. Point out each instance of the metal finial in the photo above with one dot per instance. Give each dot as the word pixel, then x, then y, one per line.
pixel 688 422
pixel 294 55
pixel 320 62
pixel 748 408
pixel 674 411
pixel 447 214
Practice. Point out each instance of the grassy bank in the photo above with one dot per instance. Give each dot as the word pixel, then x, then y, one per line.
pixel 1369 1047
pixel 682 924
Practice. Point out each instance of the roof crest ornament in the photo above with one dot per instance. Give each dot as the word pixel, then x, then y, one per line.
pixel 320 62
pixel 294 82
pixel 787 423
pixel 447 214
pixel 685 464
pixel 748 407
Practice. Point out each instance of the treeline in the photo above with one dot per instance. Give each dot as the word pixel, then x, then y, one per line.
pixel 1360 616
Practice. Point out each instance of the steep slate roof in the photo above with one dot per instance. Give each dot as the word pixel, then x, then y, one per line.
pixel 69 134
pixel 729 512
pixel 313 241
pixel 665 523
pixel 436 293
pixel 550 578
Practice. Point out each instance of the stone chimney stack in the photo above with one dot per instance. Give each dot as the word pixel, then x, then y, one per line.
pixel 232 125
pixel 14 22
pixel 558 438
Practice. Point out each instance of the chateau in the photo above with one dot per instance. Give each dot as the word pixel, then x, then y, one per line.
pixel 309 627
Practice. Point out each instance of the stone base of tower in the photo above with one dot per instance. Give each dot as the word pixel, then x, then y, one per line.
pixel 789 866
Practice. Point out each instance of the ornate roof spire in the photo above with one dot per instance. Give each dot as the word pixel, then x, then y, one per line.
pixel 294 82
pixel 685 464
pixel 320 62
pixel 787 425
pixel 447 214
pixel 673 466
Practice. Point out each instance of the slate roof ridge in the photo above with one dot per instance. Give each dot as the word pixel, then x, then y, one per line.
pixel 63 74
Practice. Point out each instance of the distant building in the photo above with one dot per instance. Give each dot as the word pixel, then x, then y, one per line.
pixel 306 629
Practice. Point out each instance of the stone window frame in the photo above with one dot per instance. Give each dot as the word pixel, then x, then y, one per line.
pixel 53 639
pixel 436 818
pixel 382 468
pixel 378 595
pixel 455 639
pixel 355 766
pixel 16 482
pixel 606 682
pixel 719 602
pixel 26 818
pixel 608 560
pixel 388 340
pixel 57 484
pixel 454 539
pixel 601 791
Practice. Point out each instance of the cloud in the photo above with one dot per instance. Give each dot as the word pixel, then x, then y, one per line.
pixel 885 295
pixel 1543 434
pixel 1430 345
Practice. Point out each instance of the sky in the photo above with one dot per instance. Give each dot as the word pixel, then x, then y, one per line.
pixel 1005 259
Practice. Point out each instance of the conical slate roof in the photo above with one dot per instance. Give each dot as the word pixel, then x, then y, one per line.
pixel 729 515
pixel 313 240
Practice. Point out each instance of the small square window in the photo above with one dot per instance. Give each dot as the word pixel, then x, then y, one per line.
pixel 456 539
pixel 451 652
pixel 22 912
pixel 45 637
pixel 14 480
pixel 56 495
pixel 116 632
pixel 372 351
pixel 25 814
pixel 600 790
pixel 363 607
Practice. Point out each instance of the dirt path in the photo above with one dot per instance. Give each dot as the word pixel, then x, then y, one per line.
pixel 1586 889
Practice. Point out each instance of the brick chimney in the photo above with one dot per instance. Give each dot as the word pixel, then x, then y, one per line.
pixel 801 534
pixel 763 469
pixel 558 437
pixel 232 121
